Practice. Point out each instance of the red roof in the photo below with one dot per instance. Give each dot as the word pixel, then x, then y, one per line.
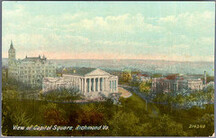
pixel 144 75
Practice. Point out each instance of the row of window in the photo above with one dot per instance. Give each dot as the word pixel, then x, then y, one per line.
pixel 50 67
pixel 30 82
pixel 37 71
pixel 35 76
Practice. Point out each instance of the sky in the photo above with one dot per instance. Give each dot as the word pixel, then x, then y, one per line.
pixel 177 31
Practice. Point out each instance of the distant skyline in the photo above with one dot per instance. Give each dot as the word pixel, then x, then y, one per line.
pixel 176 31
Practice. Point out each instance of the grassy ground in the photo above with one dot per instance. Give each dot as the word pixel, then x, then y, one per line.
pixel 138 105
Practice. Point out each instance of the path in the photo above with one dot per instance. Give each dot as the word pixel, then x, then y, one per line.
pixel 124 93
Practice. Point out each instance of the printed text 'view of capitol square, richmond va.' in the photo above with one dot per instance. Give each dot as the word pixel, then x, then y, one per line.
pixel 108 68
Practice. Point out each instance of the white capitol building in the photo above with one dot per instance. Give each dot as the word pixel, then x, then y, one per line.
pixel 89 81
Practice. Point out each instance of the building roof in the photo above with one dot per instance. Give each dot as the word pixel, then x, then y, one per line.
pixel 11 46
pixel 34 59
pixel 52 79
pixel 192 77
pixel 81 72
pixel 142 75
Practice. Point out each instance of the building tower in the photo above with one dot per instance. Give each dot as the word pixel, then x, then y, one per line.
pixel 12 68
pixel 11 55
pixel 205 79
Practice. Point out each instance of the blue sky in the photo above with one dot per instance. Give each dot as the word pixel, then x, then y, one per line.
pixel 182 31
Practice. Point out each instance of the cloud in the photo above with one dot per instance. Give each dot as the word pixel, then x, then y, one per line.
pixel 189 23
pixel 18 11
pixel 185 36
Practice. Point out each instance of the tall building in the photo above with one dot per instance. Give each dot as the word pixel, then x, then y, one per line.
pixel 30 70
pixel 12 69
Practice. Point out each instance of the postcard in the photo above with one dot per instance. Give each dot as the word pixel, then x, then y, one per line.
pixel 108 68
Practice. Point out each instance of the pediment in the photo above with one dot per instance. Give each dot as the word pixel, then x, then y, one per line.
pixel 98 72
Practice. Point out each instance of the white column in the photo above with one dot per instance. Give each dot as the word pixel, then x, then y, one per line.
pixel 105 87
pixel 81 85
pixel 90 84
pixel 99 84
pixel 115 86
pixel 107 84
pixel 111 86
pixel 102 84
pixel 83 88
pixel 94 84
pixel 85 85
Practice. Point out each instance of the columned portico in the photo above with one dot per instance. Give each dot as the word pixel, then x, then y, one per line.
pixel 89 83
pixel 94 84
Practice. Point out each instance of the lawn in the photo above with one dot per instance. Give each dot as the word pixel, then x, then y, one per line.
pixel 138 106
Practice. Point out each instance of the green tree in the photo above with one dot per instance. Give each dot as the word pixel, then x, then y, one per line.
pixel 20 117
pixel 61 95
pixel 165 126
pixel 124 124
pixel 145 87
pixel 53 115
pixel 180 100
pixel 157 75
pixel 135 82
pixel 125 77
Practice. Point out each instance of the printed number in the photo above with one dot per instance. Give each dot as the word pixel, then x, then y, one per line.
pixel 197 126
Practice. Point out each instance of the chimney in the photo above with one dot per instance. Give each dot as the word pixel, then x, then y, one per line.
pixel 205 80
